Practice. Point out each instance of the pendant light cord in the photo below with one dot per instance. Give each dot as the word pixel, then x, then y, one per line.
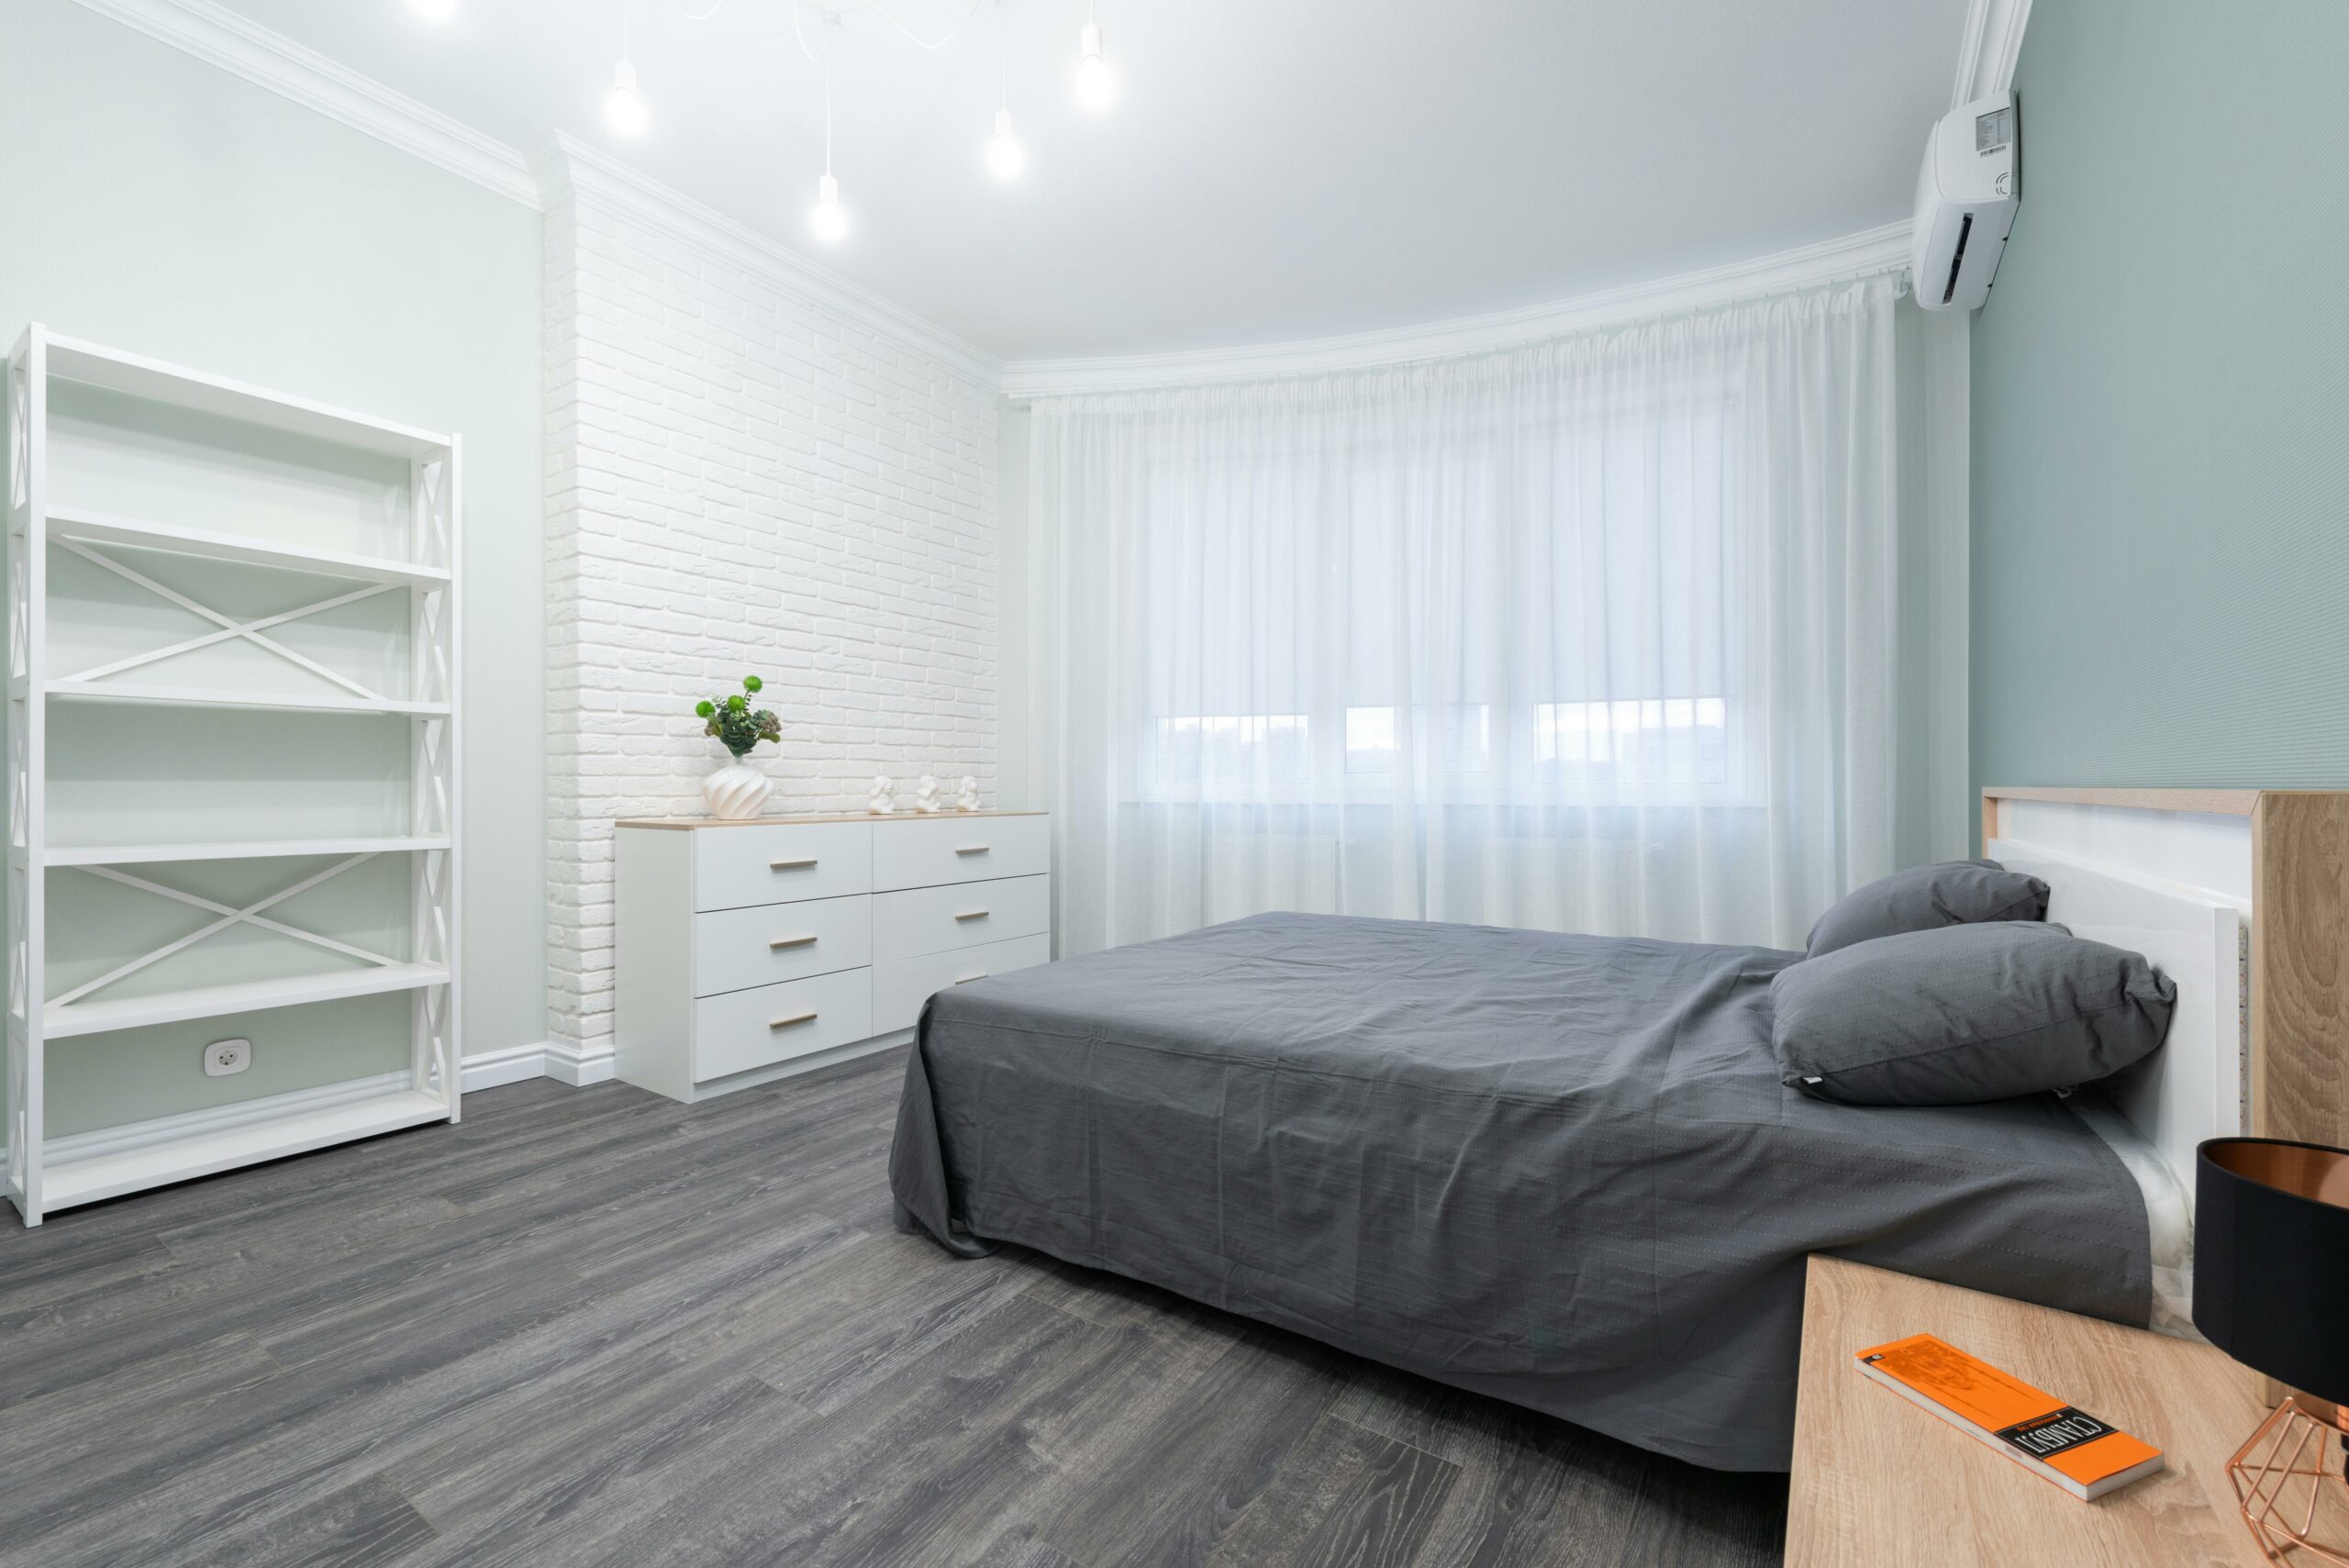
pixel 832 17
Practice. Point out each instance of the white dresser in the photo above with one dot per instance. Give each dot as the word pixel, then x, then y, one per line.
pixel 746 952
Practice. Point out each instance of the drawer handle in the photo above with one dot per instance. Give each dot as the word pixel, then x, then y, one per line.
pixel 807 1017
pixel 970 848
pixel 781 942
pixel 970 913
pixel 966 979
pixel 800 864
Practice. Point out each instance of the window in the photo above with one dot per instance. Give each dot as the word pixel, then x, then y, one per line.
pixel 1546 603
pixel 1657 746
pixel 1377 745
pixel 1661 741
pixel 1232 748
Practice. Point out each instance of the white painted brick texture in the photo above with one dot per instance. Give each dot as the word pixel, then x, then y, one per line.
pixel 739 482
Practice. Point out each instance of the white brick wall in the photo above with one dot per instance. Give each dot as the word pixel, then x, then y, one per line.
pixel 739 482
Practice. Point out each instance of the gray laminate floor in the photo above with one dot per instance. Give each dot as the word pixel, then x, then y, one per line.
pixel 589 1326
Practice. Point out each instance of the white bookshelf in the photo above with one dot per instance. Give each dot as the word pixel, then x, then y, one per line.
pixel 58 995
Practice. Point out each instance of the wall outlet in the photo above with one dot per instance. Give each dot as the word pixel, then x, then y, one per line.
pixel 223 1057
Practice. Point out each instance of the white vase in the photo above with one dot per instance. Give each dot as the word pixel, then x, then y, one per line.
pixel 736 791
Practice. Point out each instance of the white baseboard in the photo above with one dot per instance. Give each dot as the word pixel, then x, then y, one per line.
pixel 579 1065
pixel 509 1064
pixel 564 1061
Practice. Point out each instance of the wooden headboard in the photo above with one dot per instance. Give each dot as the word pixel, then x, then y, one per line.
pixel 2298 997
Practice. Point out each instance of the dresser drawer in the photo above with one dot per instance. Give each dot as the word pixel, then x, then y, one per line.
pixel 929 851
pixel 900 988
pixel 943 920
pixel 736 949
pixel 738 867
pixel 745 1029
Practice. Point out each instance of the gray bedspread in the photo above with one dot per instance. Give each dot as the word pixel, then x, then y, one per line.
pixel 1558 1170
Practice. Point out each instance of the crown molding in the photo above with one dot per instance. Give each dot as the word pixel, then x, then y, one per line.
pixel 221 36
pixel 572 169
pixel 1852 255
pixel 1988 48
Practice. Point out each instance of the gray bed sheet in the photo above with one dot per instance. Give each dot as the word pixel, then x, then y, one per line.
pixel 1558 1170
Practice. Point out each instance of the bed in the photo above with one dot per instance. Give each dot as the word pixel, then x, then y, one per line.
pixel 1562 1170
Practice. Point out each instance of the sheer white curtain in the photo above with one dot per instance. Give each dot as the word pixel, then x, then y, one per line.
pixel 1655 630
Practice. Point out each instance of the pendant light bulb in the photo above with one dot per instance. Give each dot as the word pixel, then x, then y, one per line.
pixel 1005 157
pixel 829 218
pixel 622 105
pixel 1094 87
pixel 433 10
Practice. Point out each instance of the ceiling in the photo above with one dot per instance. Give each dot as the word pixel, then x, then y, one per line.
pixel 1273 169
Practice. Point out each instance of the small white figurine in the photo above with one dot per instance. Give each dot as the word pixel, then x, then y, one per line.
pixel 967 797
pixel 881 800
pixel 926 794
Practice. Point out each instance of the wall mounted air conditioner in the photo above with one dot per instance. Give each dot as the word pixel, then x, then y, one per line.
pixel 1966 196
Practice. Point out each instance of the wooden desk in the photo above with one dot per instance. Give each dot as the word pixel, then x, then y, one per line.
pixel 1879 1483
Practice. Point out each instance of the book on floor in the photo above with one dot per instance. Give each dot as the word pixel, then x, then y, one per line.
pixel 2039 1431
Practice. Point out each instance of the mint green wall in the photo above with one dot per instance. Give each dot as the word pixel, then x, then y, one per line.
pixel 160 204
pixel 2161 404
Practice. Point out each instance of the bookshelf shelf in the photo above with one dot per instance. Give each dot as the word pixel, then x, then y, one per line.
pixel 257 849
pixel 93 1177
pixel 100 528
pixel 66 1020
pixel 251 702
pixel 71 358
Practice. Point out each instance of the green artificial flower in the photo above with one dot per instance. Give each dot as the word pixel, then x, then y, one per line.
pixel 733 723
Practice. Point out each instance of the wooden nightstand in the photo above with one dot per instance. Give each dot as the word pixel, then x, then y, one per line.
pixel 1878 1482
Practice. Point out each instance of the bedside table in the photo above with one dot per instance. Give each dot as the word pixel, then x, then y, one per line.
pixel 1878 1482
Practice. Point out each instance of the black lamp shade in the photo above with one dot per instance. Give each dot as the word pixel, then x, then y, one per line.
pixel 2271 1259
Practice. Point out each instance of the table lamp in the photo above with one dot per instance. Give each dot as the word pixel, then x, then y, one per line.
pixel 2271 1288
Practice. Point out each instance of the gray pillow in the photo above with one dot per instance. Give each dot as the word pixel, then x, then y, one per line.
pixel 1954 892
pixel 1964 1014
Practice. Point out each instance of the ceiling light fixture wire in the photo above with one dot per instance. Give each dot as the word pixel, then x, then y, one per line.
pixel 832 17
pixel 957 30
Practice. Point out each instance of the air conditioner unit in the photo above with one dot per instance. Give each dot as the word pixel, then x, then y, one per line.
pixel 1966 196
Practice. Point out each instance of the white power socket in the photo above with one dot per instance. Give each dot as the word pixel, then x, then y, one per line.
pixel 223 1057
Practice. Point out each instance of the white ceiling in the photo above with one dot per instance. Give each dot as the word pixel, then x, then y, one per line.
pixel 1274 169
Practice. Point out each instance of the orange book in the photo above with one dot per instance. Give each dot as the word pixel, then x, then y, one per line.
pixel 2039 1431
